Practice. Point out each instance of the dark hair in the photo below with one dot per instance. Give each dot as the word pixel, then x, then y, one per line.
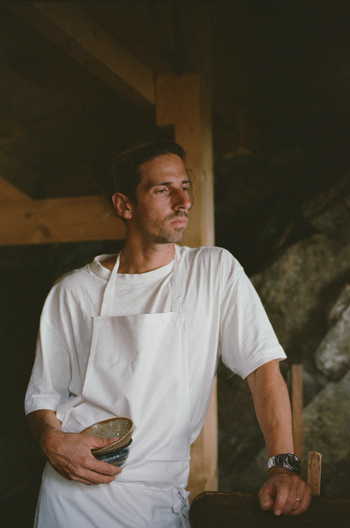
pixel 122 173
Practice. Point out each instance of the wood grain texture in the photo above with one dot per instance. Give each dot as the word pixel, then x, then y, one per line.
pixel 242 510
pixel 314 466
pixel 57 220
pixel 297 409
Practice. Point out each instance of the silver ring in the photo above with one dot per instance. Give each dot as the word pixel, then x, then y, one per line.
pixel 299 500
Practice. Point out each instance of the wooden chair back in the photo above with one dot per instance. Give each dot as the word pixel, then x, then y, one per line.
pixel 213 509
pixel 242 510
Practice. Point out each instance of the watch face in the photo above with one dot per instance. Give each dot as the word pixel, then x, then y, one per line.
pixel 293 462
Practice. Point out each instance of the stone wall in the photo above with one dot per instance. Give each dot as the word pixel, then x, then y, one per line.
pixel 306 294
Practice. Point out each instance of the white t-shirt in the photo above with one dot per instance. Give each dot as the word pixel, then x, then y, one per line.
pixel 224 317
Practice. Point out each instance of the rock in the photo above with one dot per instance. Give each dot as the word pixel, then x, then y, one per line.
pixel 326 203
pixel 339 306
pixel 297 288
pixel 338 487
pixel 297 291
pixel 334 221
pixel 332 357
pixel 326 426
pixel 326 429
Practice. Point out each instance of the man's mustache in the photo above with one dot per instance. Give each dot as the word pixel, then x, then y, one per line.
pixel 179 214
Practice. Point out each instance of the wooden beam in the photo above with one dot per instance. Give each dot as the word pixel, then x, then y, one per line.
pixel 242 510
pixel 183 101
pixel 72 30
pixel 9 193
pixel 297 409
pixel 56 220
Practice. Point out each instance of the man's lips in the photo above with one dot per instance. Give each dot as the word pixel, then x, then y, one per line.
pixel 179 222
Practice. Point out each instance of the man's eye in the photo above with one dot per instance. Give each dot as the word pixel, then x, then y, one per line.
pixel 161 191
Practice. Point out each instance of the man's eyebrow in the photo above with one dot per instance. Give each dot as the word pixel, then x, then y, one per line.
pixel 157 184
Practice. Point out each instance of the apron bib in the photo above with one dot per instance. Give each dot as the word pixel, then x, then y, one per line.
pixel 138 367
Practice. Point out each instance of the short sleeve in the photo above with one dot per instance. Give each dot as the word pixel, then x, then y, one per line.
pixel 49 381
pixel 247 339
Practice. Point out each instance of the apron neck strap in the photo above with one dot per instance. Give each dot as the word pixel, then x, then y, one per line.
pixel 176 304
pixel 109 294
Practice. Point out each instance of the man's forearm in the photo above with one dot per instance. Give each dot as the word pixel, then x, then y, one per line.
pixel 272 407
pixel 41 420
pixel 284 491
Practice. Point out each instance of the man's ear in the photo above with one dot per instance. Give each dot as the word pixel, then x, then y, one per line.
pixel 122 205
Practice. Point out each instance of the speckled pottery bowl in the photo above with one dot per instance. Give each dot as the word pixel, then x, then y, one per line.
pixel 117 457
pixel 120 427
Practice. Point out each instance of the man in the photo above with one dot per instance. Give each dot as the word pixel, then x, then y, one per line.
pixel 139 334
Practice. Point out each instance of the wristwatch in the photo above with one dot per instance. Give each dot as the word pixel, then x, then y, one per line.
pixel 286 461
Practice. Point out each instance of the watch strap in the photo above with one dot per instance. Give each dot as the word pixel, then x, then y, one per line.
pixel 287 461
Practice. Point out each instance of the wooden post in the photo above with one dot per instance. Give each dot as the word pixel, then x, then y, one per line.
pixel 297 409
pixel 184 101
pixel 181 101
pixel 314 465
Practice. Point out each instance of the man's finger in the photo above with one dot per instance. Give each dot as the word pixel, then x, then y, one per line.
pixel 90 463
pixel 305 497
pixel 295 506
pixel 99 473
pixel 105 469
pixel 267 496
pixel 285 498
pixel 267 502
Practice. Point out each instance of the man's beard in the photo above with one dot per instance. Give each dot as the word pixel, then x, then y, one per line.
pixel 164 235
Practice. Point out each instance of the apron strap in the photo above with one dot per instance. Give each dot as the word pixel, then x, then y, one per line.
pixel 176 305
pixel 176 301
pixel 107 301
pixel 181 505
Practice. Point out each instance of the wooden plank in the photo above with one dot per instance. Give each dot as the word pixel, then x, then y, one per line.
pixel 297 409
pixel 71 29
pixel 204 453
pixel 183 101
pixel 58 220
pixel 242 510
pixel 9 193
pixel 314 466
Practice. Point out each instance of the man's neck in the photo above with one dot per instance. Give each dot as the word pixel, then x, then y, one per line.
pixel 134 259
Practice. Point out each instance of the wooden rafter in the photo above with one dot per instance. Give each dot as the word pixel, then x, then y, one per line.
pixel 72 30
pixel 9 193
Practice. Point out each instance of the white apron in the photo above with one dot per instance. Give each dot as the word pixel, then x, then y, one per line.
pixel 137 367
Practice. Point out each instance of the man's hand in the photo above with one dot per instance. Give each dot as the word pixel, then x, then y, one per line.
pixel 70 455
pixel 284 492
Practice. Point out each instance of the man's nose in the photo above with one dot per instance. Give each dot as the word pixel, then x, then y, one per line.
pixel 182 200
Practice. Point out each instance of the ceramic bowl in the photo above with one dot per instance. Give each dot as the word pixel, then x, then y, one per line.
pixel 120 426
pixel 117 457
